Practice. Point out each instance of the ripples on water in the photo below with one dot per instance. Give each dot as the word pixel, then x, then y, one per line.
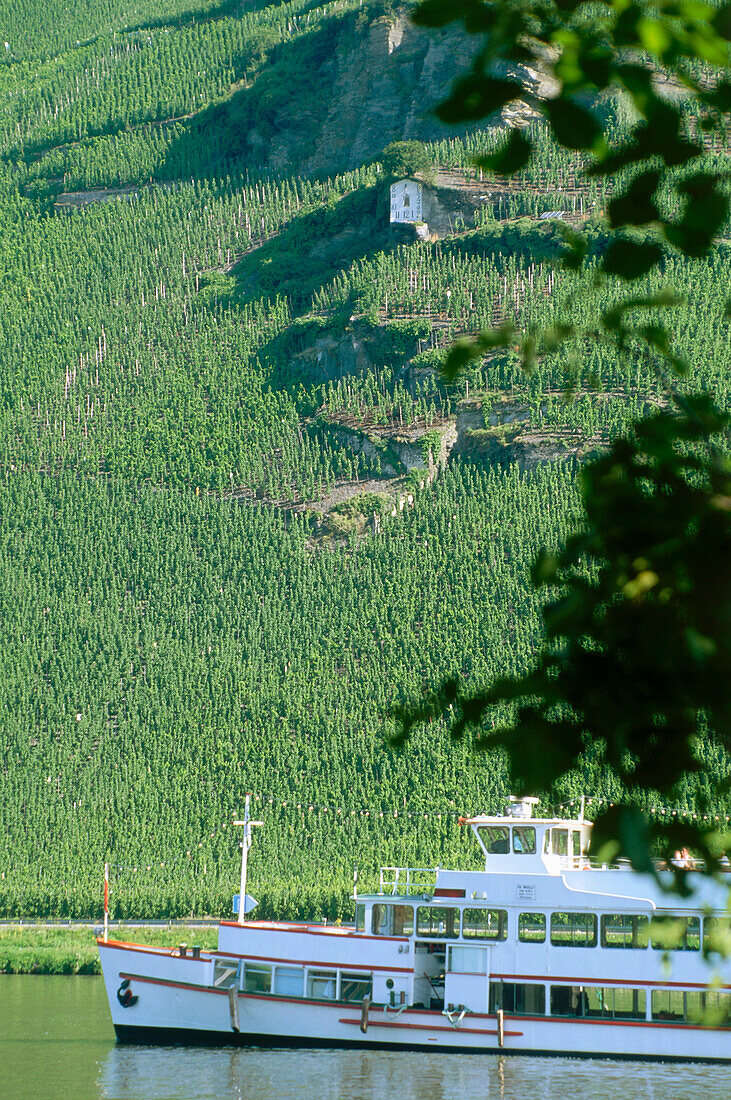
pixel 56 1041
pixel 376 1075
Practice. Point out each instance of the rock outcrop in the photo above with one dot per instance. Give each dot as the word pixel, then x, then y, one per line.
pixel 387 82
pixel 371 84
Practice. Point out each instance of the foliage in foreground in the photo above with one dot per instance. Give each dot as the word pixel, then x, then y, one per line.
pixel 637 653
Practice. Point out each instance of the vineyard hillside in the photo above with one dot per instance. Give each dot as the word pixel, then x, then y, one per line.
pixel 242 514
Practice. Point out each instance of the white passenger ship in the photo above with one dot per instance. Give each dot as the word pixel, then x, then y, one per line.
pixel 540 952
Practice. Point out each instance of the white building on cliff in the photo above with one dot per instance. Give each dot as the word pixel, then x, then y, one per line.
pixel 406 201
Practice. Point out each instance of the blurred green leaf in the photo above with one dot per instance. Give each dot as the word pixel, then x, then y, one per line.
pixel 477 16
pixel 631 259
pixel 438 13
pixel 626 28
pixel 705 212
pixel 460 354
pixel 637 638
pixel 718 97
pixel 636 205
pixel 622 831
pixel 721 22
pixel 577 247
pixel 573 125
pixel 513 156
pixel 474 96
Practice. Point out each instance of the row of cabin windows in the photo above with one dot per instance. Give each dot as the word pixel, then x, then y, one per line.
pixel 620 930
pixel 710 1007
pixel 521 840
pixel 439 922
pixel 295 981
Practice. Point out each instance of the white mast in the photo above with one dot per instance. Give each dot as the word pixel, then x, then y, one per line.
pixel 245 845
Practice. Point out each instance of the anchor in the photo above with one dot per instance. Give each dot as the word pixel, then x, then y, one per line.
pixel 125 996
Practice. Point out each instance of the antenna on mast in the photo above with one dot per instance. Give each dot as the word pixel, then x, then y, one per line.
pixel 248 824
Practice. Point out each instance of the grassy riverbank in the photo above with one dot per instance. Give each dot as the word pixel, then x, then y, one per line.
pixel 44 949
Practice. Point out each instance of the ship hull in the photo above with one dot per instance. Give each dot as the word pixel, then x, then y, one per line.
pixel 174 1005
pixel 189 1037
pixel 131 1035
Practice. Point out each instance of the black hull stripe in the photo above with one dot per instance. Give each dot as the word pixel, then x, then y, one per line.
pixel 189 1037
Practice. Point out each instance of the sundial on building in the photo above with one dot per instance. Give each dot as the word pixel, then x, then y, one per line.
pixel 406 201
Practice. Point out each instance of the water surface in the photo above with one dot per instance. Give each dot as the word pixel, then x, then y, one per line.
pixel 56 1041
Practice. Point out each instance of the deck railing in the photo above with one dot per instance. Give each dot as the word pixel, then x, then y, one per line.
pixel 408 880
pixel 568 863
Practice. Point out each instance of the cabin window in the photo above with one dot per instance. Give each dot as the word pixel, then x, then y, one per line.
pixel 717 935
pixel 568 1000
pixel 519 998
pixel 575 843
pixel 676 934
pixel 669 1005
pixel 467 959
pixel 289 981
pixel 225 973
pixel 360 918
pixel 485 924
pixel 573 929
pixel 560 842
pixel 598 1002
pixel 496 839
pixel 322 985
pixel 532 927
pixel 625 930
pixel 524 839
pixel 403 920
pixel 716 1007
pixel 379 920
pixel 354 987
pixel 257 978
pixel 392 920
pixel 616 1003
pixel 711 1007
pixel 437 921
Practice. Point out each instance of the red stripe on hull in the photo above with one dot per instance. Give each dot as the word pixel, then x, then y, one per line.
pixel 158 953
pixel 617 1023
pixel 630 982
pixel 360 967
pixel 311 930
pixel 432 1027
pixel 170 983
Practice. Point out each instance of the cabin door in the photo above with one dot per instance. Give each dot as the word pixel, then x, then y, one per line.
pixel 467 980
pixel 430 964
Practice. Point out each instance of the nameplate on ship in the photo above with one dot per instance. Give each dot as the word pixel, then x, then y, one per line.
pixel 525 893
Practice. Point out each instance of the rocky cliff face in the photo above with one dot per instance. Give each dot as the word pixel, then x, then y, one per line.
pixel 386 85
pixel 368 85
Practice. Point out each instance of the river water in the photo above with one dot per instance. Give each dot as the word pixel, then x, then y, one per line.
pixel 56 1042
